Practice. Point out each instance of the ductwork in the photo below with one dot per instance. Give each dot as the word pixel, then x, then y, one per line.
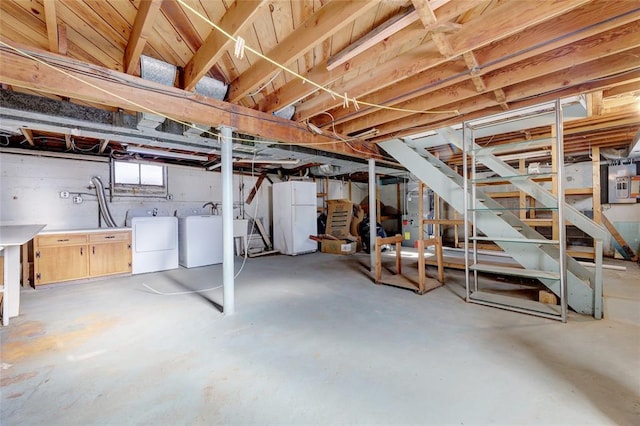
pixel 211 88
pixel 286 112
pixel 102 202
pixel 159 72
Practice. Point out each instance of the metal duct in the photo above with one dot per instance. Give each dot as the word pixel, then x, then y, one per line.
pixel 158 72
pixel 286 112
pixel 211 88
pixel 102 202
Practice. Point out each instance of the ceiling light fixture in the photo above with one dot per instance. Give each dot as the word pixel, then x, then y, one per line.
pixel 165 154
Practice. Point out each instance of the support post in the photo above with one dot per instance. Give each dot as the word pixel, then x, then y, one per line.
pixel 228 298
pixel 372 212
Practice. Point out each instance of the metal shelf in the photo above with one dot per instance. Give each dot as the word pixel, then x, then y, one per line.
pixel 494 179
pixel 516 272
pixel 517 304
pixel 516 240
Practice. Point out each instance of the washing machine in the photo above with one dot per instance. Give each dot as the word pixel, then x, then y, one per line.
pixel 199 237
pixel 154 234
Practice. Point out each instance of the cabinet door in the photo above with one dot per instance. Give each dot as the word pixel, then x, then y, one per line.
pixel 60 263
pixel 110 258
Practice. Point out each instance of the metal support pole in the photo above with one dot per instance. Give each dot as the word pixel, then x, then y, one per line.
pixel 228 302
pixel 372 212
pixel 561 216
pixel 597 285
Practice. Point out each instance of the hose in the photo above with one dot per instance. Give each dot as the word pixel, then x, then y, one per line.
pixel 102 202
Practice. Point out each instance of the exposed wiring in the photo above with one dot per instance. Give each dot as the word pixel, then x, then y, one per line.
pixel 177 293
pixel 36 58
pixel 346 100
pixel 258 90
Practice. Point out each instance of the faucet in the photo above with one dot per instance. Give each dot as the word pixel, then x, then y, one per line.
pixel 214 207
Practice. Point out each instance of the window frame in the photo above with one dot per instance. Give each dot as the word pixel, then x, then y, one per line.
pixel 139 189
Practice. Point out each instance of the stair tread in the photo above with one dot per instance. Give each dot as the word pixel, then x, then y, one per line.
pixel 514 146
pixel 516 240
pixel 513 177
pixel 519 272
pixel 509 301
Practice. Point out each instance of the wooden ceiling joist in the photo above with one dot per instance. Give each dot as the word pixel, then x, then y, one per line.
pixel 146 16
pixel 133 93
pixel 329 19
pixel 564 30
pixel 236 19
pixel 28 135
pixel 51 21
pixel 296 89
pixel 424 57
pixel 381 32
pixel 598 46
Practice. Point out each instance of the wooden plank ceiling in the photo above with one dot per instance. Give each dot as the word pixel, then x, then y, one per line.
pixel 394 68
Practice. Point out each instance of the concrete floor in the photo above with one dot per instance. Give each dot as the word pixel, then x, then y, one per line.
pixel 313 342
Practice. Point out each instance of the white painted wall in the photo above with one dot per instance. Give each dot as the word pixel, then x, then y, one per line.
pixel 30 187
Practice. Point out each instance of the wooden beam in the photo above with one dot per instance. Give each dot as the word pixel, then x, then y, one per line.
pixel 406 38
pixel 51 21
pixel 328 20
pixel 255 188
pixel 103 145
pixel 429 20
pixel 583 51
pixel 382 31
pixel 63 43
pixel 580 79
pixel 67 142
pixel 474 71
pixel 28 135
pixel 115 89
pixel 501 98
pixel 142 27
pixel 627 251
pixel 504 23
pixel 475 36
pixel 595 184
pixel 564 30
pixel 595 104
pixel 236 19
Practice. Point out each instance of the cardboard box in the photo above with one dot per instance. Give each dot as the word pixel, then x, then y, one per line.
pixel 338 246
pixel 339 218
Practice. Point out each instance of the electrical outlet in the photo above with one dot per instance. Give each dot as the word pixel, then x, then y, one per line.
pixel 169 197
pixel 77 199
pixel 64 194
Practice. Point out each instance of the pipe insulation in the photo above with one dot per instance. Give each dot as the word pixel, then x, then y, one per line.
pixel 102 202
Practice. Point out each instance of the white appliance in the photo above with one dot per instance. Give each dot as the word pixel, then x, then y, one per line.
pixel 154 237
pixel 199 238
pixel 294 217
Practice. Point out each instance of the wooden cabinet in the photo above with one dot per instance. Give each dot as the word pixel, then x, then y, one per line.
pixel 110 253
pixel 72 256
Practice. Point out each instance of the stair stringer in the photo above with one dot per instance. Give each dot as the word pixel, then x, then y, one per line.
pixel 449 186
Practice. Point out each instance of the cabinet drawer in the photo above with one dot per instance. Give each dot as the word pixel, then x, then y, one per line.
pixel 106 237
pixel 60 239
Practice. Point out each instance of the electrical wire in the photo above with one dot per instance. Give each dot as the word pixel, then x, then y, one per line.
pixel 332 93
pixel 36 57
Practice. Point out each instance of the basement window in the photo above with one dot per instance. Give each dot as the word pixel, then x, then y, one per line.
pixel 138 179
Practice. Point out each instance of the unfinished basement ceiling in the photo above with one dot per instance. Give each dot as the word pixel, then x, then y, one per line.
pixel 357 72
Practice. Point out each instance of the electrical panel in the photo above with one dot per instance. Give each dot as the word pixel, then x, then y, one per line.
pixel 620 180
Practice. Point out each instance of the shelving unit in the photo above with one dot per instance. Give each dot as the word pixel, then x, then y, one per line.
pixel 513 231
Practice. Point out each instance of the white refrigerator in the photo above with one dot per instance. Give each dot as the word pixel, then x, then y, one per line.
pixel 295 214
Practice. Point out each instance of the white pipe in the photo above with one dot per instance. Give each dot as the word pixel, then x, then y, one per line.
pixel 372 213
pixel 228 302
